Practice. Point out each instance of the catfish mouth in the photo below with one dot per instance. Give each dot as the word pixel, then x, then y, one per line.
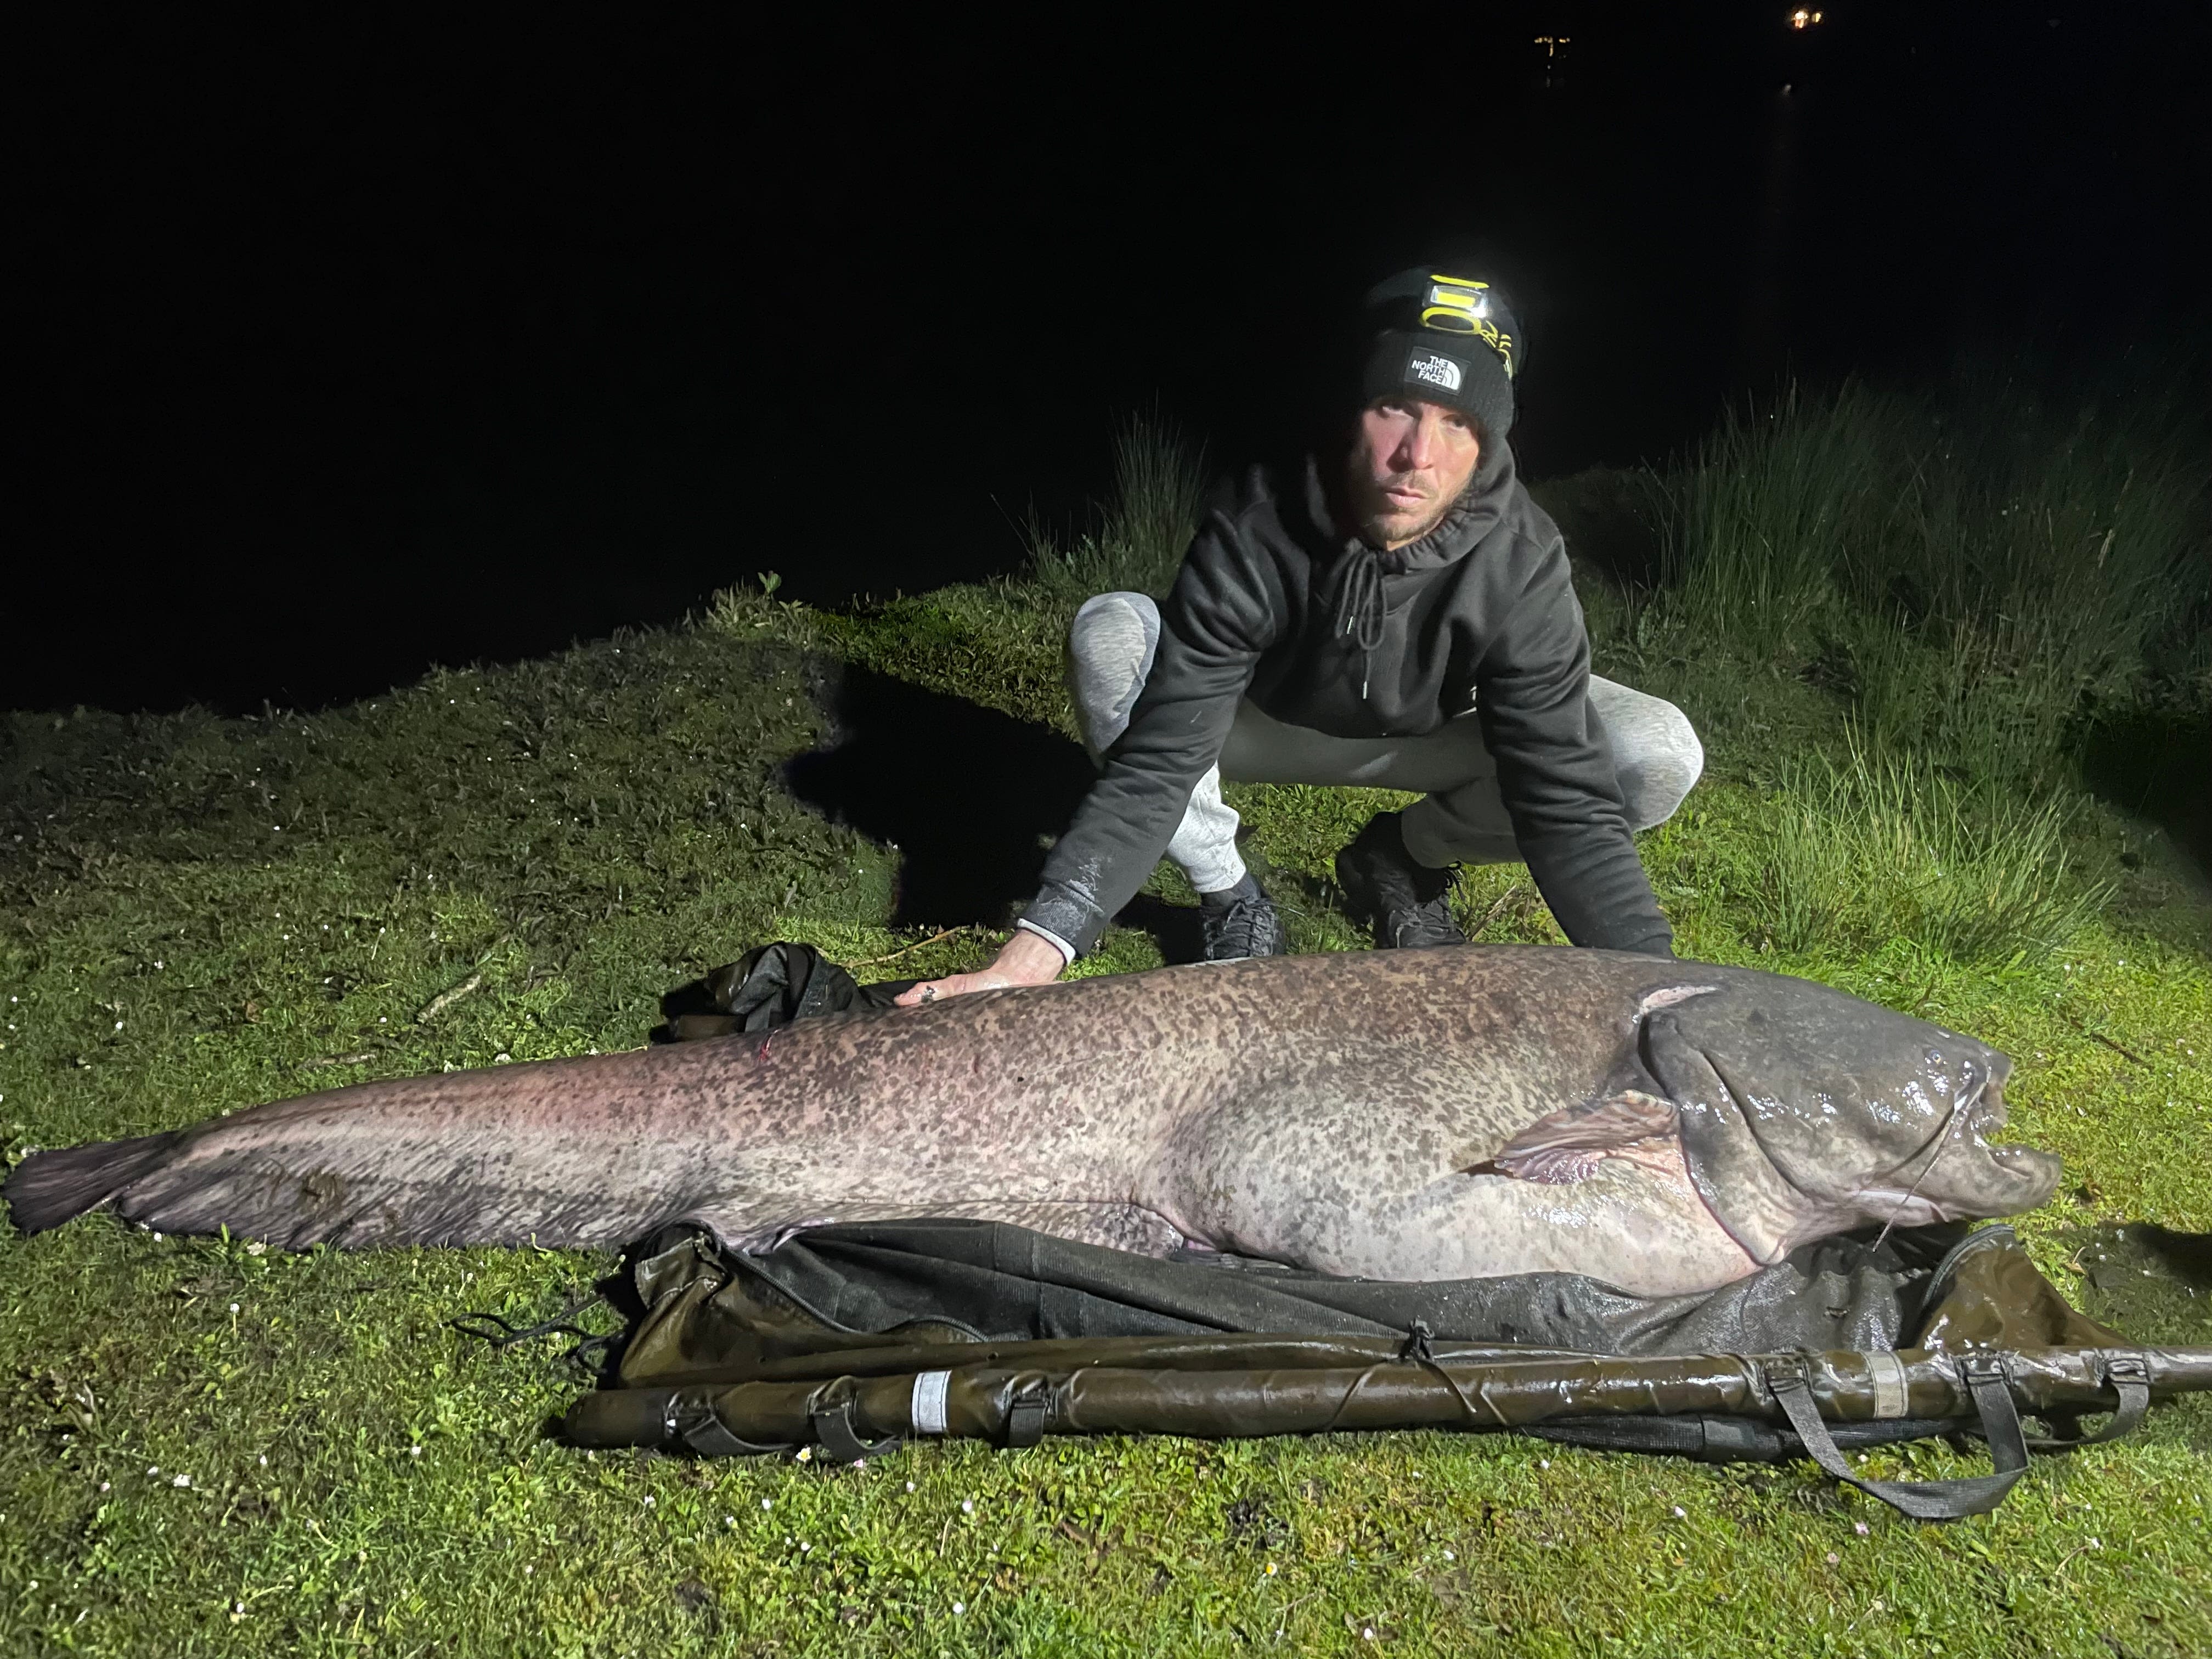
pixel 1970 1176
pixel 1990 1112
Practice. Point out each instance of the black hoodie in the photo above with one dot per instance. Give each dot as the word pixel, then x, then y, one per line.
pixel 1274 602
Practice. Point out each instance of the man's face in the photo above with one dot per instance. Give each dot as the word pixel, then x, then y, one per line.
pixel 1410 461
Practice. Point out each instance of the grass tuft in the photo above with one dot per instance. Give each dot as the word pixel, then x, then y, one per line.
pixel 1876 846
pixel 1160 484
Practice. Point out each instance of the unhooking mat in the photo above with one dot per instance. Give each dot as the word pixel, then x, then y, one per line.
pixel 849 1338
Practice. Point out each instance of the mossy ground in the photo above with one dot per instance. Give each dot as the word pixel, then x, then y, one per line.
pixel 210 1447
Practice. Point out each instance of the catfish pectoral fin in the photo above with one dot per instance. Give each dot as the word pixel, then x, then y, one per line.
pixel 1566 1146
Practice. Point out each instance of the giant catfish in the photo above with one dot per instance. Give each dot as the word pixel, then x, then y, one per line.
pixel 1435 1114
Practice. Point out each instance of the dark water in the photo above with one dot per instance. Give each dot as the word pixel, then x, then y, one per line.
pixel 341 350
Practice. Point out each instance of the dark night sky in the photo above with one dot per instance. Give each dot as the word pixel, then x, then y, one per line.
pixel 340 349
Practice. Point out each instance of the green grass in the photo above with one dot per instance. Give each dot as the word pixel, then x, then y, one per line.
pixel 198 914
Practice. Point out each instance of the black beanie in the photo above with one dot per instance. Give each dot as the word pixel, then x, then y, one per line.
pixel 1444 339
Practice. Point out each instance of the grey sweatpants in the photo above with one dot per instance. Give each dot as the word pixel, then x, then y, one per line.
pixel 1462 818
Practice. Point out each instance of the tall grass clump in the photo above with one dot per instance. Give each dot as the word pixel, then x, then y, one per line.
pixel 2050 564
pixel 1760 522
pixel 1144 527
pixel 1987 571
pixel 1879 845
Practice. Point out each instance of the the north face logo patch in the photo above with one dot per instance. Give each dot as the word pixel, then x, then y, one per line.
pixel 1434 369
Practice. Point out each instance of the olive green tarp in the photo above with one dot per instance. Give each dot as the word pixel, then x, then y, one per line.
pixel 850 1339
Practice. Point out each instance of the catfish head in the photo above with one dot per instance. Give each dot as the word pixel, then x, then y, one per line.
pixel 1803 1113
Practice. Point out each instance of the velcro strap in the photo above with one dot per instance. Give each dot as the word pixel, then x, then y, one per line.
pixel 1025 1416
pixel 687 1418
pixel 834 1433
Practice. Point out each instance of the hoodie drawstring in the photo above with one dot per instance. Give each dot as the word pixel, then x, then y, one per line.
pixel 1359 608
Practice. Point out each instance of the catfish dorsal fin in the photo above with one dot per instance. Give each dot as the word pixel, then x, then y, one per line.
pixel 1567 1144
pixel 1668 996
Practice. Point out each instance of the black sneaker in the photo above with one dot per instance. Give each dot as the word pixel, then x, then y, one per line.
pixel 1406 905
pixel 1240 922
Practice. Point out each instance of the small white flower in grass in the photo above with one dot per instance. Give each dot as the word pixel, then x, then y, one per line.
pixel 767 1504
pixel 909 1485
pixel 503 1058
pixel 103 1485
pixel 153 1469
pixel 1268 1571
pixel 959 1607
pixel 1832 1557
pixel 1367 1633
pixel 238 1606
pixel 1860 1528
pixel 859 1463
pixel 1449 1556
pixel 527 1571
pixel 1543 1462
pixel 157 1239
pixel 2094 1544
pixel 967 1506
pixel 414 1451
pixel 233 1307
pixel 806 1454
pixel 181 1480
pixel 1680 1514
pixel 729 1520
pixel 264 1460
pixel 806 1549
pixel 648 1500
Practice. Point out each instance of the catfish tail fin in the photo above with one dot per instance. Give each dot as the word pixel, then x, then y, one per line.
pixel 48 1189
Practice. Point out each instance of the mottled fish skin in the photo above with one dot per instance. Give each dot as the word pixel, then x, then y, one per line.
pixel 1345 1112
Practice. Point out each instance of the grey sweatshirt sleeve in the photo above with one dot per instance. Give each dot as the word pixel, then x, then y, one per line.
pixel 1555 770
pixel 1221 614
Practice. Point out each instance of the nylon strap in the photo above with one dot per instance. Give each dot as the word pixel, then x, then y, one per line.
pixel 1026 1415
pixel 1789 1381
pixel 2127 1375
pixel 687 1416
pixel 833 1432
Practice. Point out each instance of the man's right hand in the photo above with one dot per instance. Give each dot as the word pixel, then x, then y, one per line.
pixel 1027 958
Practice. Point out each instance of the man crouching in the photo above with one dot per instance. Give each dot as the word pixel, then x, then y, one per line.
pixel 1396 615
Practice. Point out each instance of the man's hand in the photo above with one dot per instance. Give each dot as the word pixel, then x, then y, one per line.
pixel 1025 959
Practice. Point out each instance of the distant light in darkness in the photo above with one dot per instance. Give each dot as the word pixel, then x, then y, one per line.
pixel 1803 19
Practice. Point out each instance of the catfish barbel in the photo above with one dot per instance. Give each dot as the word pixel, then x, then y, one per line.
pixel 1454 1113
